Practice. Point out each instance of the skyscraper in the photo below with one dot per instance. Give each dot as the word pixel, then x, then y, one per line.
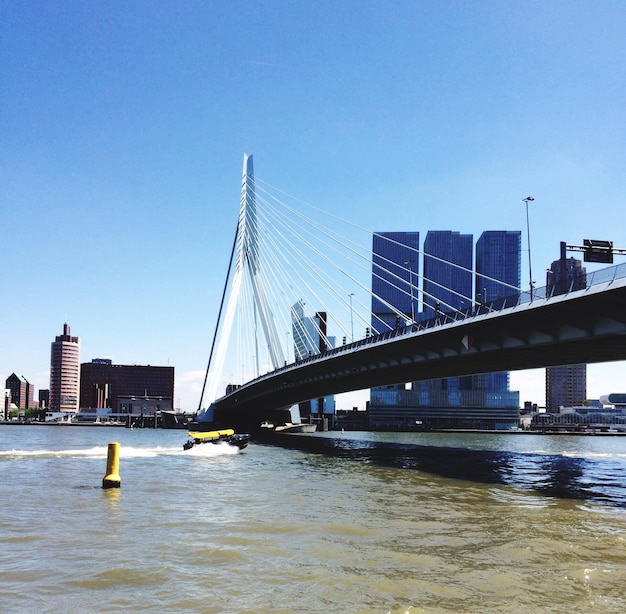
pixel 448 277
pixel 395 275
pixel 310 338
pixel 498 259
pixel 395 279
pixel 65 372
pixel 480 401
pixel 566 385
pixel 498 275
pixel 447 272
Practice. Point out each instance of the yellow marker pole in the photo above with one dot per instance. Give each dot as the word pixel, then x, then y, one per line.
pixel 112 477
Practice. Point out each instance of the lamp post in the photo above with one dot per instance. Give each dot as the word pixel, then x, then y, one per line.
pixel 351 319
pixel 530 266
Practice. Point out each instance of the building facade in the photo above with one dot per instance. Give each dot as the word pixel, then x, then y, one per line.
pixel 566 385
pixel 477 402
pixel 309 338
pixel 65 372
pixel 395 283
pixel 498 265
pixel 395 275
pixel 22 391
pixel 126 389
pixel 498 277
pixel 448 278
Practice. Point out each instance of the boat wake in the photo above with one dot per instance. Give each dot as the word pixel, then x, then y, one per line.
pixel 219 449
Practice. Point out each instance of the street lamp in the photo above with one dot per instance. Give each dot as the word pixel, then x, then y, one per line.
pixel 530 267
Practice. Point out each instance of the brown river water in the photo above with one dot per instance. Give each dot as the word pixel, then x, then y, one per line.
pixel 353 522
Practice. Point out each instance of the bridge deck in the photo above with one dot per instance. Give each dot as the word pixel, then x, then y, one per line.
pixel 587 326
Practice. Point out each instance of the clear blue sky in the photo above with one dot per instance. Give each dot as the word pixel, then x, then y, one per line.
pixel 123 125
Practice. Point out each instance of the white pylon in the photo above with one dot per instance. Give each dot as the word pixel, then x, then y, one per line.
pixel 246 263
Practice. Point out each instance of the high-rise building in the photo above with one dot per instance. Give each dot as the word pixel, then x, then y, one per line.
pixel 498 276
pixel 565 275
pixel 498 265
pixel 65 372
pixel 395 275
pixel 22 391
pixel 480 401
pixel 395 280
pixel 448 260
pixel 447 272
pixel 310 337
pixel 566 385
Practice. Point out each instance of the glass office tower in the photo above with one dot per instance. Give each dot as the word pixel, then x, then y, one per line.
pixel 310 338
pixel 498 265
pixel 395 275
pixel 472 401
pixel 447 272
pixel 498 276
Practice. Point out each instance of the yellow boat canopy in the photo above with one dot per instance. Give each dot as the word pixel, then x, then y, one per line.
pixel 211 434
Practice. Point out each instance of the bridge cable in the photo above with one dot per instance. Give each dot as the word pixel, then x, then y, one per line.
pixel 219 317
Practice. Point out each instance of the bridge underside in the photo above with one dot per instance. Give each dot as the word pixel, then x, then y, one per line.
pixel 588 326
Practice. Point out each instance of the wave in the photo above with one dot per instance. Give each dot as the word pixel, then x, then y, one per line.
pixel 219 449
pixel 595 455
pixel 582 454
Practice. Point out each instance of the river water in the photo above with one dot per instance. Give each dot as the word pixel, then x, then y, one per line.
pixel 354 522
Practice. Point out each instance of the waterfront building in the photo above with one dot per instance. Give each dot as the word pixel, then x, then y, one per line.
pixel 479 401
pixel 395 280
pixel 498 265
pixel 126 389
pixel 310 337
pixel 22 391
pixel 395 275
pixel 447 272
pixel 591 417
pixel 566 385
pixel 65 372
pixel 498 277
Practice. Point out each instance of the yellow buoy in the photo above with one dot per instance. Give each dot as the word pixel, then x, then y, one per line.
pixel 112 477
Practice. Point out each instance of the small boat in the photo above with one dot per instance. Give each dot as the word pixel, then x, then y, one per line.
pixel 239 440
pixel 290 427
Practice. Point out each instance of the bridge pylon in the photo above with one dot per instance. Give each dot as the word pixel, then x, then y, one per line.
pixel 248 267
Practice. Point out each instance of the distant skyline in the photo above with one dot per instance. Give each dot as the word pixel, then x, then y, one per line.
pixel 124 126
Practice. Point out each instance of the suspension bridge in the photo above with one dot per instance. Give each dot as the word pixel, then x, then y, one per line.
pixel 264 360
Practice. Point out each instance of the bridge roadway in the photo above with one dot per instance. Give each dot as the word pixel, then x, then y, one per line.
pixel 585 326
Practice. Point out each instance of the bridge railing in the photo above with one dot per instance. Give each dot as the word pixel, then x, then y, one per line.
pixel 601 276
pixel 607 275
